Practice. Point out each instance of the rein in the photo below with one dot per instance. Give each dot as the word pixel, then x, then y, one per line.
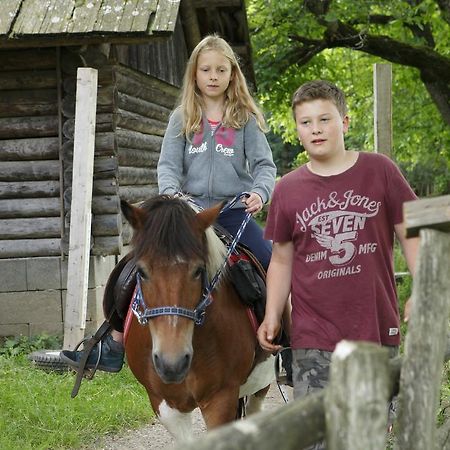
pixel 143 313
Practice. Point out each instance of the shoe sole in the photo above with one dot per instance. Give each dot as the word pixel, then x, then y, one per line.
pixel 76 365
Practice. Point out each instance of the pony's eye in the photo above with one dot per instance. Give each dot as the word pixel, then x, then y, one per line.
pixel 142 273
pixel 199 272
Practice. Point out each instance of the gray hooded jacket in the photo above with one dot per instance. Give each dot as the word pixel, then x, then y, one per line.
pixel 216 165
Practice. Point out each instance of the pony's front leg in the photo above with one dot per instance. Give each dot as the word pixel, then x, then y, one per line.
pixel 177 423
pixel 221 408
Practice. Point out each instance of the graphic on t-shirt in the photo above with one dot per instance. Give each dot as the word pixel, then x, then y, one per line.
pixel 336 223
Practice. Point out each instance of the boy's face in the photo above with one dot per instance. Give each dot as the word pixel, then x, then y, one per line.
pixel 320 128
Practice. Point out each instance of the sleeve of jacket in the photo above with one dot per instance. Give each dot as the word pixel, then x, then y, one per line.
pixel 170 163
pixel 260 160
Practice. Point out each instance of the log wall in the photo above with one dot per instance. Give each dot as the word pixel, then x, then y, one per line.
pixel 37 118
pixel 30 208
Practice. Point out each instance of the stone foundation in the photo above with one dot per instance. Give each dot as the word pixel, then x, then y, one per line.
pixel 33 294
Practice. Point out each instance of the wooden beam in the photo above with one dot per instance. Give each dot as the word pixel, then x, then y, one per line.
pixel 427 213
pixel 382 87
pixel 80 229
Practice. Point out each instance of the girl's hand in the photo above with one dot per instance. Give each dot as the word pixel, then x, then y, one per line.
pixel 253 202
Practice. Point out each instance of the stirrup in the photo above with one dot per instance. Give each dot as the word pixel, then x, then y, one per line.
pixel 89 344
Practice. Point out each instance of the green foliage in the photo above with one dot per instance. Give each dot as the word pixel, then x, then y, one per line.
pixel 22 345
pixel 37 411
pixel 421 136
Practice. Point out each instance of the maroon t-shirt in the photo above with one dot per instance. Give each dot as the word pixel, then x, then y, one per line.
pixel 342 228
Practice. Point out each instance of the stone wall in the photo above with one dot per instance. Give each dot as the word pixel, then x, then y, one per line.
pixel 33 294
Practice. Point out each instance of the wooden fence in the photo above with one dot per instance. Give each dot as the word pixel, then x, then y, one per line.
pixel 351 413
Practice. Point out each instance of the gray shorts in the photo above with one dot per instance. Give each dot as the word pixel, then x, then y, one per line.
pixel 310 373
pixel 311 367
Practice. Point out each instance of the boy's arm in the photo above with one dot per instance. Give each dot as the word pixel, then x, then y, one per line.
pixel 278 290
pixel 410 249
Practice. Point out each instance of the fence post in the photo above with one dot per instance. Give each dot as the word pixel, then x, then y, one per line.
pixel 425 344
pixel 357 397
pixel 382 87
pixel 80 210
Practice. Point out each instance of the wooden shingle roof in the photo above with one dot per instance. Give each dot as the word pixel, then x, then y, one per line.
pixel 59 22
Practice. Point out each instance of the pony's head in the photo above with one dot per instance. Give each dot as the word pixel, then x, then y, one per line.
pixel 176 253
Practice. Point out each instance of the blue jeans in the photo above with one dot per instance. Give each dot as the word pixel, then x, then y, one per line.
pixel 252 236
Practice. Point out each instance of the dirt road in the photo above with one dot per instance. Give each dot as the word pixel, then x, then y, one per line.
pixel 155 436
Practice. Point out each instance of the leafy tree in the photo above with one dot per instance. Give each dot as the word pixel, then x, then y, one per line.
pixel 339 40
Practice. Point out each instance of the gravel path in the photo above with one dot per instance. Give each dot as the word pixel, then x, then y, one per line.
pixel 155 436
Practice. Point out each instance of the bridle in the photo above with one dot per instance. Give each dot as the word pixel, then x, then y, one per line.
pixel 143 313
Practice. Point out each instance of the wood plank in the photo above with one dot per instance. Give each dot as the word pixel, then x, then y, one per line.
pixel 33 228
pixel 137 157
pixel 58 16
pixel 134 194
pixel 143 107
pixel 24 102
pixel 8 11
pixel 427 213
pixel 80 229
pixel 136 122
pixel 166 17
pixel 425 344
pixel 37 58
pixel 25 248
pixel 29 170
pixel 30 17
pixel 29 149
pixel 27 79
pixel 28 126
pixel 84 17
pixel 134 139
pixel 142 13
pixel 382 86
pixel 146 87
pixel 137 175
pixel 29 207
pixel 29 189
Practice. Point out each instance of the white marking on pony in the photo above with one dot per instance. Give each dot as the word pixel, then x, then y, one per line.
pixel 261 376
pixel 343 349
pixel 254 404
pixel 178 424
pixel 173 321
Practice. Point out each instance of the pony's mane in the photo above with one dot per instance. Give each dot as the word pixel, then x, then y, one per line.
pixel 167 234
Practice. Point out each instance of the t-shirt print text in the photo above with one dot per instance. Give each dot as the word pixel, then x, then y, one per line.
pixel 334 223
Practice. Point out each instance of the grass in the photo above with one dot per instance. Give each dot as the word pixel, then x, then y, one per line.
pixel 37 412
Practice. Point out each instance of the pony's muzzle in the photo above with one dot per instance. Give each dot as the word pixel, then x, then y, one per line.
pixel 172 370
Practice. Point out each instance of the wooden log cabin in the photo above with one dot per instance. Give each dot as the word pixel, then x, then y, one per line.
pixel 140 48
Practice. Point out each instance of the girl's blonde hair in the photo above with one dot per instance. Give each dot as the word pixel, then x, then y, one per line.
pixel 239 104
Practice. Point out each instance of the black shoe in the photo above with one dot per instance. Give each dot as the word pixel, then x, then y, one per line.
pixel 111 359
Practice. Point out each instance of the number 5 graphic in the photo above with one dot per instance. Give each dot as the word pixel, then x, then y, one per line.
pixel 343 247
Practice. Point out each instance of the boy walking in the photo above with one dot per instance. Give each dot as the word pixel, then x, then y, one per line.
pixel 332 222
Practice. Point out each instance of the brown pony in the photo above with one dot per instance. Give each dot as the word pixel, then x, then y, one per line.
pixel 189 349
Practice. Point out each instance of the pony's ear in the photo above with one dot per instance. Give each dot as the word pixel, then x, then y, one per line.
pixel 208 216
pixel 135 216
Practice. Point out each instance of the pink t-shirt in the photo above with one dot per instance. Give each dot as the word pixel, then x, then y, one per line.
pixel 342 228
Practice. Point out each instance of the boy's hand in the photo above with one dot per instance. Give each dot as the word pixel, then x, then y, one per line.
pixel 266 333
pixel 407 311
pixel 253 202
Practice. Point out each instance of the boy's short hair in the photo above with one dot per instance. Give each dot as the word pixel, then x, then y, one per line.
pixel 320 90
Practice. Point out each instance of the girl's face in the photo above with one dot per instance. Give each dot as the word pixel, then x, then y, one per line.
pixel 213 74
